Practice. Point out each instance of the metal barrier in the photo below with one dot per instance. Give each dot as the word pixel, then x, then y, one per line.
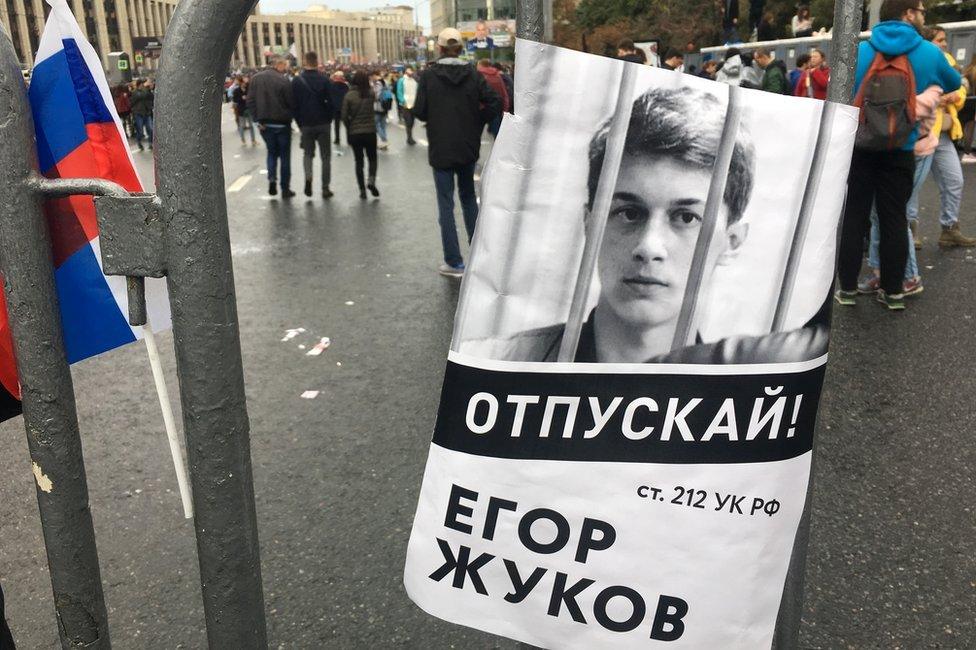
pixel 181 234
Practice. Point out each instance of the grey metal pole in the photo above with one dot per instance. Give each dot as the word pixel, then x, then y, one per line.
pixel 597 219
pixel 847 27
pixel 530 22
pixel 48 397
pixel 815 173
pixel 686 328
pixel 200 39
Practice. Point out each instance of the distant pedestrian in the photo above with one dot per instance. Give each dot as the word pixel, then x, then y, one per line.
pixel 313 114
pixel 406 95
pixel 456 102
pixel 382 103
pixel 359 117
pixel 813 81
pixel 495 82
pixel 730 21
pixel 732 71
pixel 627 51
pixel 766 29
pixel 802 63
pixel 774 72
pixel 673 60
pixel 241 113
pixel 120 97
pixel 509 86
pixel 339 89
pixel 142 102
pixel 802 22
pixel 272 103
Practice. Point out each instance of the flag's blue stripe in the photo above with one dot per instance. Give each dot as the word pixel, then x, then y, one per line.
pixel 93 108
pixel 58 121
pixel 92 320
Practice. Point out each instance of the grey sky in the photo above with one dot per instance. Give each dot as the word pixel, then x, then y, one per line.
pixel 282 6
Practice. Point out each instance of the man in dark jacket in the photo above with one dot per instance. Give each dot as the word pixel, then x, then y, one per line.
pixel 141 103
pixel 456 103
pixel 774 72
pixel 313 113
pixel 271 102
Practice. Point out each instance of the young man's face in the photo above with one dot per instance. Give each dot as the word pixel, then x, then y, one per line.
pixel 653 226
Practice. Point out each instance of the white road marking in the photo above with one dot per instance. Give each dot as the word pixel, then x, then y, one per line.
pixel 239 184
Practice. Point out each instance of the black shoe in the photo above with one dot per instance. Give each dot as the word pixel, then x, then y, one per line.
pixel 327 193
pixel 308 188
pixel 272 188
pixel 141 148
pixel 336 142
pixel 286 193
pixel 362 193
pixel 373 190
pixel 411 142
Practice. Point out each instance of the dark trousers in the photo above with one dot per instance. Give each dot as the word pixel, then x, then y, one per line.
pixel 338 125
pixel 6 639
pixel 444 184
pixel 311 135
pixel 408 120
pixel 278 140
pixel 884 179
pixel 364 144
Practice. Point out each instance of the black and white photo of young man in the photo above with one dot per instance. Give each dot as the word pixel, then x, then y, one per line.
pixel 651 233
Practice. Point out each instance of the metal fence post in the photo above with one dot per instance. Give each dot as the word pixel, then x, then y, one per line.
pixel 843 52
pixel 199 42
pixel 50 417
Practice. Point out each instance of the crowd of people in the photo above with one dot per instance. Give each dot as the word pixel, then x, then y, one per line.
pixel 456 100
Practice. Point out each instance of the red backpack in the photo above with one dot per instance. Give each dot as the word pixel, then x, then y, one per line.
pixel 887 103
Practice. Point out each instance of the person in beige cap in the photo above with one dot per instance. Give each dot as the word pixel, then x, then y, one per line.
pixel 456 103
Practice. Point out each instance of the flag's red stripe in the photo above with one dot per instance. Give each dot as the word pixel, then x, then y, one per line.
pixel 8 365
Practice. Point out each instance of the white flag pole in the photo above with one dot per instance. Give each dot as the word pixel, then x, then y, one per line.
pixel 175 448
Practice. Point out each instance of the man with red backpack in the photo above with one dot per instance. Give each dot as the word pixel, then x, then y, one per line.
pixel 496 83
pixel 892 67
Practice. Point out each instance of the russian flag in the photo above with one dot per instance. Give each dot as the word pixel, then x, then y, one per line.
pixel 79 135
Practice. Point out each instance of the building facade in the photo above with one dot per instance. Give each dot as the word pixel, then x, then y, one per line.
pixel 126 25
pixel 448 13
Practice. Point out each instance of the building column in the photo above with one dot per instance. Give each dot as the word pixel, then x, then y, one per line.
pixel 101 27
pixel 25 44
pixel 78 9
pixel 125 34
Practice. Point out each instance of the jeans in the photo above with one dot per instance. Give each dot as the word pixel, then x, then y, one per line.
pixel 444 184
pixel 277 137
pixel 144 124
pixel 310 135
pixel 381 126
pixel 922 166
pixel 338 126
pixel 364 144
pixel 947 169
pixel 245 125
pixel 495 126
pixel 882 178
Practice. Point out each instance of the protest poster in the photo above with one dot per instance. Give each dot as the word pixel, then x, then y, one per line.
pixel 624 440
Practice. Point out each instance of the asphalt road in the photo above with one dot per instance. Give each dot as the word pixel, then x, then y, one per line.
pixel 893 555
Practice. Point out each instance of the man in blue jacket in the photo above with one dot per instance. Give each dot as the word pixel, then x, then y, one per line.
pixel 313 113
pixel 884 178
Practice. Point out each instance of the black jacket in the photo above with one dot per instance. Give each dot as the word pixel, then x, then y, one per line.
pixel 141 101
pixel 456 103
pixel 269 97
pixel 313 98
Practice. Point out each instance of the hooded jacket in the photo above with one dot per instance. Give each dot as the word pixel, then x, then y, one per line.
pixel 456 103
pixel 895 37
pixel 494 79
pixel 731 71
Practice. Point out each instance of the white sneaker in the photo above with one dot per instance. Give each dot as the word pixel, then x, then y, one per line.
pixel 451 271
pixel 968 159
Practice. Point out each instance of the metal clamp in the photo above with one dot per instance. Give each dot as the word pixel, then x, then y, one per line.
pixel 131 232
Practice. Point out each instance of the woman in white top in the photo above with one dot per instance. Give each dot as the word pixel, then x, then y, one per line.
pixel 802 22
